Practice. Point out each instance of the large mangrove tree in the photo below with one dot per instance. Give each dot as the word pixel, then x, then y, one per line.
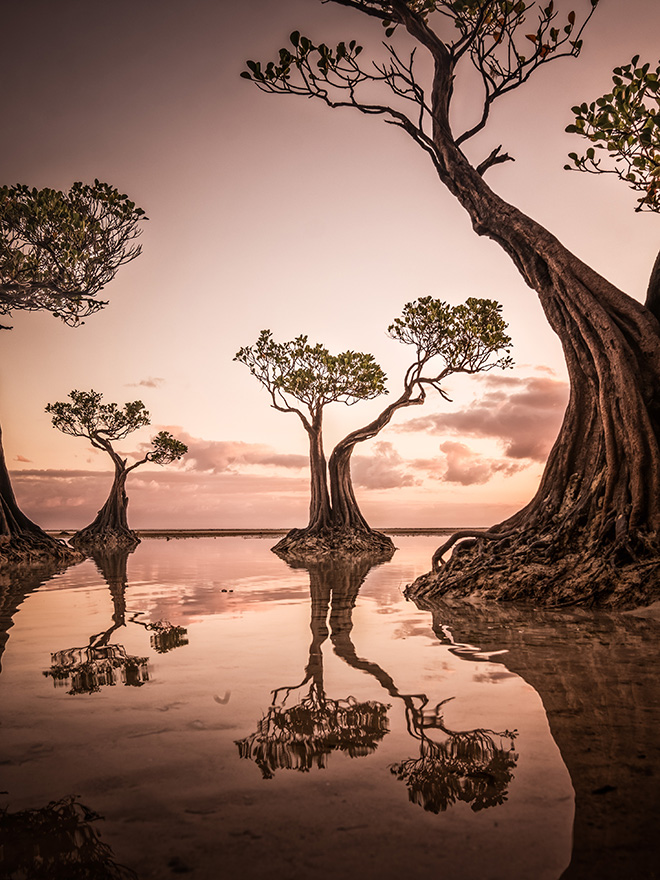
pixel 591 532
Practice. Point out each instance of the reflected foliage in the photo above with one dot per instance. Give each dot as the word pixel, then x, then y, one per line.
pixel 101 663
pixel 468 766
pixel 301 736
pixel 56 842
pixel 472 766
pixel 98 665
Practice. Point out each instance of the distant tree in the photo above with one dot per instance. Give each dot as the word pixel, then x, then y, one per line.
pixel 592 530
pixel 467 338
pixel 102 424
pixel 57 251
pixel 296 372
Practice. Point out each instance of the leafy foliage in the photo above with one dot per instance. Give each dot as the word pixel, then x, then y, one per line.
pixel 625 124
pixel 87 416
pixel 468 337
pixel 491 33
pixel 58 250
pixel 102 423
pixel 310 374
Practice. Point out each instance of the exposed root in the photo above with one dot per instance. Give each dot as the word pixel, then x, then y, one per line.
pixel 29 550
pixel 91 541
pixel 546 569
pixel 300 544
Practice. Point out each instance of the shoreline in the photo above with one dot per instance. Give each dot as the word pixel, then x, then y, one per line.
pixel 252 533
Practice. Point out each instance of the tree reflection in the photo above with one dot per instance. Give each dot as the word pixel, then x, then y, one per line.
pixel 302 736
pixel 472 766
pixel 14 589
pixel 102 663
pixel 56 842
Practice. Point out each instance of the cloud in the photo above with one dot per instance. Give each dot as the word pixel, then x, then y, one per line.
pixel 229 456
pixel 381 469
pixel 466 467
pixel 151 382
pixel 523 414
pixel 22 458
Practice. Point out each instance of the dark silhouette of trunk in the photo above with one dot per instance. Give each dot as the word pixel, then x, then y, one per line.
pixel 590 534
pixel 597 677
pixel 346 514
pixel 110 530
pixel 21 540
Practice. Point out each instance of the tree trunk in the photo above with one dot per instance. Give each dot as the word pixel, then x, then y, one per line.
pixel 299 543
pixel 319 505
pixel 22 542
pixel 346 514
pixel 109 531
pixel 590 534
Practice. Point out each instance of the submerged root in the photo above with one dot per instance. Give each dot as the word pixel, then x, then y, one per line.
pixel 299 544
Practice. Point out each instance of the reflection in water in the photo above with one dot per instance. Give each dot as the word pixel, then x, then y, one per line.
pixel 597 677
pixel 56 842
pixel 303 735
pixel 101 663
pixel 14 588
pixel 468 766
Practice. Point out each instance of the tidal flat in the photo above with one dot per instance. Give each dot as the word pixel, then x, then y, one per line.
pixel 199 708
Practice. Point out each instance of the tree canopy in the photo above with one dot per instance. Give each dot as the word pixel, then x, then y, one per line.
pixel 309 374
pixel 58 250
pixel 101 423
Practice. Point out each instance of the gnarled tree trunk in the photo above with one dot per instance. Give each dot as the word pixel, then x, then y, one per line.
pixel 109 530
pixel 22 542
pixel 591 532
pixel 346 514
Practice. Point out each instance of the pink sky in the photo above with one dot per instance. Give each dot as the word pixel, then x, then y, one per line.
pixel 272 212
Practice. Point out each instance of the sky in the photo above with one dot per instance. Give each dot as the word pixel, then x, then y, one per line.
pixel 275 212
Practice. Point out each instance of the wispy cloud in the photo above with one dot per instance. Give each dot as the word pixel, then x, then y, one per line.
pixel 150 382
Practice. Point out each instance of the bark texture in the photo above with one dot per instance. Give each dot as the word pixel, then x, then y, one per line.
pixel 591 532
pixel 22 542
pixel 326 534
pixel 109 531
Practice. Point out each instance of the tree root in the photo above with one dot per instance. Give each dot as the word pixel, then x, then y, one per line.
pixel 543 567
pixel 300 544
pixel 30 550
pixel 90 541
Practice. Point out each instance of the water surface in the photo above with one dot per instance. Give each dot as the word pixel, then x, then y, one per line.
pixel 228 715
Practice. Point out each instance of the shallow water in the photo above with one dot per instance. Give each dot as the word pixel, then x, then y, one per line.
pixel 230 716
